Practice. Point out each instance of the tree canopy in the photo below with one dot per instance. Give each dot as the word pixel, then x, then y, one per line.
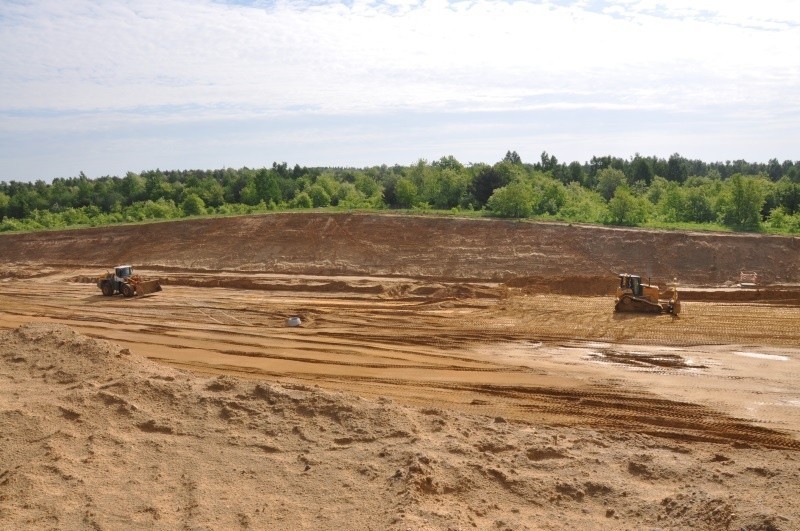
pixel 641 190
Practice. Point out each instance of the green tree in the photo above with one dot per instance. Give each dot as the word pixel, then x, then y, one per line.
pixel 133 188
pixel 740 204
pixel 329 183
pixel 352 197
pixel 366 185
pixel 698 206
pixel 575 172
pixel 490 178
pixel 268 188
pixel 23 202
pixel 608 179
pixel 774 169
pixel 453 186
pixel 405 193
pixel 161 209
pixel 780 219
pixel 677 168
pixel 249 194
pixel 512 157
pixel 672 205
pixel 625 208
pixel 106 196
pixel 787 195
pixel 512 201
pixel 4 200
pixel 46 219
pixel 443 188
pixel 583 205
pixel 449 162
pixel 211 192
pixel 62 195
pixel 75 216
pixel 193 206
pixel 548 162
pixel 85 191
pixel 319 196
pixel 302 200
pixel 641 170
pixel 550 198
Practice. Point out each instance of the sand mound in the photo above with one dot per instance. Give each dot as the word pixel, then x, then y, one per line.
pixel 93 436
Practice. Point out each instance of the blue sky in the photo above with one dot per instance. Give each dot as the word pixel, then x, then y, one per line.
pixel 106 87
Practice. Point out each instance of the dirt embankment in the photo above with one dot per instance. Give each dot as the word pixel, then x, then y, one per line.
pixel 432 384
pixel 579 259
pixel 97 437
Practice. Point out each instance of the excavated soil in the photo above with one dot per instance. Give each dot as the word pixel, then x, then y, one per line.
pixel 447 374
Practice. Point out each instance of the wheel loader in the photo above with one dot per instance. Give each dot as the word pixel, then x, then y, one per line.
pixel 635 296
pixel 124 281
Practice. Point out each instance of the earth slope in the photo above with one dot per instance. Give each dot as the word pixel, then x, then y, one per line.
pixel 429 247
pixel 448 374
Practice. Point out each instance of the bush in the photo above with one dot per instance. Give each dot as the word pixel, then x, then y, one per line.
pixel 582 205
pixel 781 220
pixel 319 196
pixel 608 180
pixel 626 209
pixel 233 209
pixel 512 201
pixel 302 200
pixel 740 204
pixel 405 193
pixel 550 199
pixel 193 205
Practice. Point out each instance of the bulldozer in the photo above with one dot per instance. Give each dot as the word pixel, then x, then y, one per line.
pixel 124 281
pixel 635 296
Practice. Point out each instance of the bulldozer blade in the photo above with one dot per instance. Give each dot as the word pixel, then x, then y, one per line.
pixel 637 305
pixel 148 286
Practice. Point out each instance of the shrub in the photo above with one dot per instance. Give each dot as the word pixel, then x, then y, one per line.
pixel 512 201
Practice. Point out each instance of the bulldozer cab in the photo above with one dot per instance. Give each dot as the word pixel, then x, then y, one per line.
pixel 632 282
pixel 123 271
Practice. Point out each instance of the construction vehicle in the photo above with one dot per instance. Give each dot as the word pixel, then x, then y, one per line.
pixel 634 296
pixel 124 281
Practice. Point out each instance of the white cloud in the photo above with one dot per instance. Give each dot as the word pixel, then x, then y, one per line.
pixel 102 55
pixel 89 64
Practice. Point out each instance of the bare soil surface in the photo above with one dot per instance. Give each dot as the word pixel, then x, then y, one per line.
pixel 447 374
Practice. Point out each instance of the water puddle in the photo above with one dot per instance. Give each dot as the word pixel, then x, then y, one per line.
pixel 645 360
pixel 760 356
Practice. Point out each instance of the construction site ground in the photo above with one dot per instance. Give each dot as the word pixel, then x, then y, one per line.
pixel 534 405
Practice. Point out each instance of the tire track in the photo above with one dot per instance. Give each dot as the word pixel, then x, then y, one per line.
pixel 439 352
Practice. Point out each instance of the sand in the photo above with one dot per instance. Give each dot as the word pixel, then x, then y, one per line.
pixel 447 374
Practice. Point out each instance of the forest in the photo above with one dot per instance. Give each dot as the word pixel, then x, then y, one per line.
pixel 676 193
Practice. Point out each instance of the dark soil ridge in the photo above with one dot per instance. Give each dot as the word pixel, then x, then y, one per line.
pixel 439 248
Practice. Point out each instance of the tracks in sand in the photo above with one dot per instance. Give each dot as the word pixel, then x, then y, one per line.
pixel 481 348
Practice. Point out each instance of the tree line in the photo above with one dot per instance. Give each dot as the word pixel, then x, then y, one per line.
pixel 638 191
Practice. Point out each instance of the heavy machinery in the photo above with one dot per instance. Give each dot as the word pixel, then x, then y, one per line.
pixel 124 281
pixel 634 296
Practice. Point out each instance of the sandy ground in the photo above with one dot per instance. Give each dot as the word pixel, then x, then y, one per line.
pixel 485 396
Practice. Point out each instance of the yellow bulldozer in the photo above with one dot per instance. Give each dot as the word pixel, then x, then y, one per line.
pixel 124 281
pixel 635 296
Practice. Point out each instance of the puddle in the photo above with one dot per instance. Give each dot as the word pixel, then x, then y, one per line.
pixel 595 345
pixel 647 360
pixel 760 356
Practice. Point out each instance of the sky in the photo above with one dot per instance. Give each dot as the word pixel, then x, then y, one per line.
pixel 106 87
